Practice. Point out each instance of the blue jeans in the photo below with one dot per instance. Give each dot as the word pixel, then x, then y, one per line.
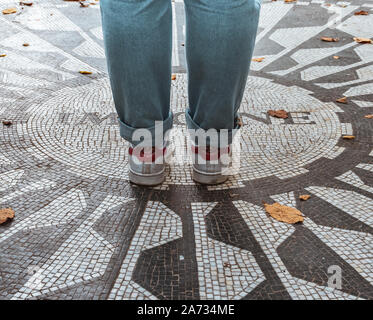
pixel 220 38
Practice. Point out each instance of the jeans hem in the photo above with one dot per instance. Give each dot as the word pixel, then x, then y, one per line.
pixel 126 131
pixel 192 125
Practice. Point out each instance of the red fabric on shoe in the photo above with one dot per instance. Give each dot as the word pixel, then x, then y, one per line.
pixel 144 156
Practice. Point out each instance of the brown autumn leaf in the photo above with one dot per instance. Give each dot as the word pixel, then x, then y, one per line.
pixel 304 197
pixel 290 1
pixel 369 116
pixel 348 137
pixel 2 55
pixel 278 114
pixel 336 57
pixel 9 10
pixel 5 214
pixel 25 44
pixel 258 59
pixel 29 4
pixel 85 72
pixel 361 13
pixel 283 213
pixel 363 40
pixel 173 77
pixel 329 39
pixel 7 123
pixel 342 100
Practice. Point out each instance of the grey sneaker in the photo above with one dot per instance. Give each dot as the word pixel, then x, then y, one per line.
pixel 210 164
pixel 147 167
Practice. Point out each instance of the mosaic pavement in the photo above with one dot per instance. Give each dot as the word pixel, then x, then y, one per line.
pixel 83 232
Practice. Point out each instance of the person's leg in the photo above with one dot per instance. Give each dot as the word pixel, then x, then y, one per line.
pixel 220 38
pixel 138 45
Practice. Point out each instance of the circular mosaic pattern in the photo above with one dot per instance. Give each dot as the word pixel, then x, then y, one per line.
pixel 78 128
pixel 81 231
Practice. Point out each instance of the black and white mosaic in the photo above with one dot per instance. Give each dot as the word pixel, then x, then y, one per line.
pixel 82 231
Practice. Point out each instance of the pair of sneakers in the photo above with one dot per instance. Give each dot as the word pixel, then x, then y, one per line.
pixel 210 165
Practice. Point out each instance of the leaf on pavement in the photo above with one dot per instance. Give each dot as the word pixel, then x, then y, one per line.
pixel 7 123
pixel 361 13
pixel 258 59
pixel 2 55
pixel 304 197
pixel 9 10
pixel 329 39
pixel 283 213
pixel 5 214
pixel 336 57
pixel 348 137
pixel 342 100
pixel 363 40
pixel 369 116
pixel 29 4
pixel 85 72
pixel 278 114
pixel 173 77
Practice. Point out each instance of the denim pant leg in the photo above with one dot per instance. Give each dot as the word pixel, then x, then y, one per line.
pixel 138 45
pixel 220 39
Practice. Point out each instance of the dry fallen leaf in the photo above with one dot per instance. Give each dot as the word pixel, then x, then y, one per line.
pixel 258 59
pixel 289 1
pixel 173 77
pixel 329 39
pixel 83 4
pixel 5 214
pixel 361 13
pixel 304 197
pixel 85 72
pixel 348 137
pixel 363 40
pixel 29 4
pixel 2 55
pixel 369 116
pixel 336 57
pixel 283 213
pixel 7 123
pixel 9 10
pixel 25 44
pixel 278 114
pixel 342 100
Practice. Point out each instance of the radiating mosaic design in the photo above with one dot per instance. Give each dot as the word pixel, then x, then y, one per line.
pixel 82 231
